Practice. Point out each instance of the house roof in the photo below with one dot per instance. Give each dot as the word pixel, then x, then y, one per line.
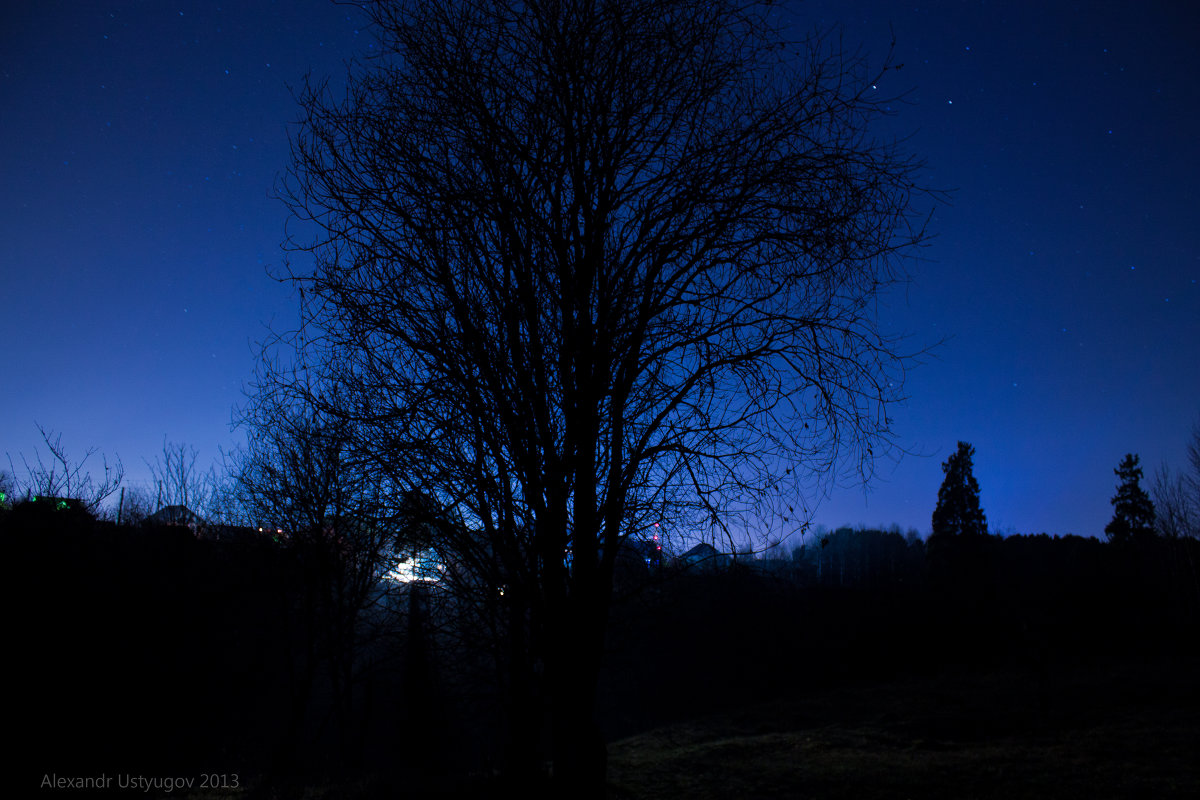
pixel 701 551
pixel 174 515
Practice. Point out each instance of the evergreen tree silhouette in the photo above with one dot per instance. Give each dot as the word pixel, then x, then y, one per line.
pixel 1133 512
pixel 958 510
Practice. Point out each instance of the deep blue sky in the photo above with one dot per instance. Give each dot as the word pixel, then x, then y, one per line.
pixel 139 143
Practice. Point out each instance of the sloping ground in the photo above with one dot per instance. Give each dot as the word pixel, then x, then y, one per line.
pixel 1128 730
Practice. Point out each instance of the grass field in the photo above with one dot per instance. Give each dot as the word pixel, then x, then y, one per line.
pixel 1121 730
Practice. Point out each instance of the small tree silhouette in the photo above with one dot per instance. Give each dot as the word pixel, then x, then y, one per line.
pixel 1133 512
pixel 63 477
pixel 1176 495
pixel 958 510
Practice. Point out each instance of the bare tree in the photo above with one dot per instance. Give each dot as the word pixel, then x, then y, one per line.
pixel 1177 520
pixel 297 480
pixel 1177 496
pixel 179 482
pixel 6 489
pixel 139 505
pixel 584 266
pixel 60 476
pixel 134 506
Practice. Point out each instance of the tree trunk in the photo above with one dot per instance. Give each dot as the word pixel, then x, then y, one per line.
pixel 578 749
pixel 522 706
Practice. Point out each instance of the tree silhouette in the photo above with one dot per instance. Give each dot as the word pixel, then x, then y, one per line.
pixel 134 506
pixel 1133 512
pixel 179 482
pixel 958 510
pixel 581 267
pixel 298 481
pixel 6 490
pixel 62 477
pixel 1177 497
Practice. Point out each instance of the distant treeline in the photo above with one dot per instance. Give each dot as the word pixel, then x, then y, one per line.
pixel 871 604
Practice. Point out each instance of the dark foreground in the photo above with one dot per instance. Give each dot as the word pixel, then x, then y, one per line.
pixel 1117 730
pixel 1122 728
pixel 1022 667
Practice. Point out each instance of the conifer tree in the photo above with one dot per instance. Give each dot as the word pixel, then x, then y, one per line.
pixel 1133 512
pixel 958 510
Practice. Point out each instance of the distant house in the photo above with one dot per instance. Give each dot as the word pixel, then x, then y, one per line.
pixel 67 504
pixel 705 558
pixel 176 516
pixel 48 507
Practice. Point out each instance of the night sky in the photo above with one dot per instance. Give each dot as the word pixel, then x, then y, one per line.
pixel 140 141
